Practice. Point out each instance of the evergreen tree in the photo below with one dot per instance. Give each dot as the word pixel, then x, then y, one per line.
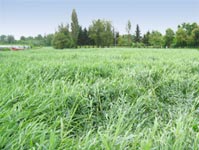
pixel 117 35
pixel 85 37
pixel 145 39
pixel 80 40
pixel 137 34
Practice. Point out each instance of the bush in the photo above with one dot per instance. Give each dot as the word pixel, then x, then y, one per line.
pixel 62 41
pixel 138 45
pixel 4 49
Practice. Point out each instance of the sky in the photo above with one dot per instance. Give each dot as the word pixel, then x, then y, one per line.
pixel 33 17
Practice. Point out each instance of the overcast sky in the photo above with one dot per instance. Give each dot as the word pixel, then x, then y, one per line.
pixel 32 17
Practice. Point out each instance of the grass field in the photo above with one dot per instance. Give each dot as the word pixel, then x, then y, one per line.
pixel 113 99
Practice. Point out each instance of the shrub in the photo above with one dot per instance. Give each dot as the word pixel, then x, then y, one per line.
pixel 4 49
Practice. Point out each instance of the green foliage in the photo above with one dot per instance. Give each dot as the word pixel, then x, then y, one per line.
pixel 123 40
pixel 186 36
pixel 181 38
pixel 62 39
pixel 22 38
pixel 188 27
pixel 9 39
pixel 101 32
pixel 48 40
pixel 4 49
pixel 37 41
pixel 145 39
pixel 3 39
pixel 128 30
pixel 156 39
pixel 98 99
pixel 138 37
pixel 74 28
pixel 169 37
pixel 195 37
pixel 83 38
pixel 117 35
pixel 138 45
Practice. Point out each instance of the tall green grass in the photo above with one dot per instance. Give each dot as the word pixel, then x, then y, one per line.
pixel 99 99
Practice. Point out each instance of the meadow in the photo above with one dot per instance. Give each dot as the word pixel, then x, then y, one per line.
pixel 111 99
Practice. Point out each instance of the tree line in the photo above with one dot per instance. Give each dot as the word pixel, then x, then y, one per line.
pixel 101 33
pixel 36 41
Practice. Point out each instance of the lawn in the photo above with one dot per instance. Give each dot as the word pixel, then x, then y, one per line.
pixel 111 99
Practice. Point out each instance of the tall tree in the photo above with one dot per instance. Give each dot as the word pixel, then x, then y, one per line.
pixel 117 35
pixel 137 34
pixel 74 27
pixel 22 38
pixel 87 40
pixel 156 39
pixel 101 32
pixel 181 38
pixel 188 27
pixel 123 40
pixel 145 39
pixel 10 39
pixel 169 37
pixel 195 37
pixel 85 37
pixel 48 39
pixel 128 30
pixel 80 40
pixel 38 40
pixel 3 39
pixel 62 38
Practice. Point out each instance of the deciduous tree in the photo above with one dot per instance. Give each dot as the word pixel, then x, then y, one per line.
pixel 145 39
pixel 195 37
pixel 62 38
pixel 181 38
pixel 101 32
pixel 156 39
pixel 169 37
